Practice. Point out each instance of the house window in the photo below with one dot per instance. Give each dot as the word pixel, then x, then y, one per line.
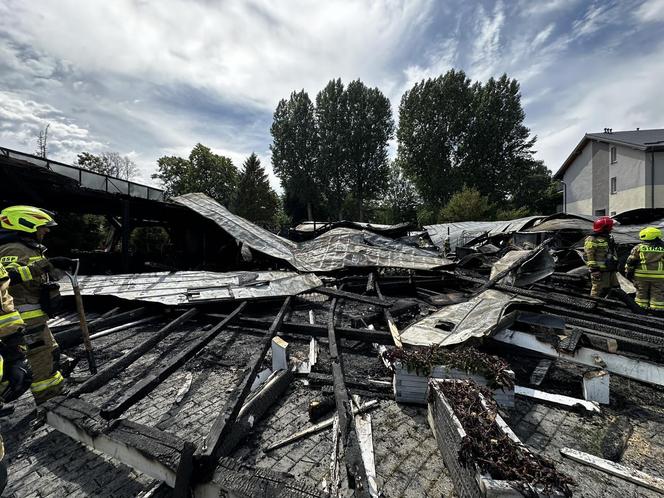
pixel 614 186
pixel 614 154
pixel 600 212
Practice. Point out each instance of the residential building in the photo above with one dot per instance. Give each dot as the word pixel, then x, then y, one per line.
pixel 611 172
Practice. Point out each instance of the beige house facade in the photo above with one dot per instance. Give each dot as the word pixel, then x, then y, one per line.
pixel 612 172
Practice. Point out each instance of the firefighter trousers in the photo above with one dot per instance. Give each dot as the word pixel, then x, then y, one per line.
pixel 44 357
pixel 649 293
pixel 602 282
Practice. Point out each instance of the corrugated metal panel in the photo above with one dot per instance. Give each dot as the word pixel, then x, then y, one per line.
pixel 457 323
pixel 191 287
pixel 333 250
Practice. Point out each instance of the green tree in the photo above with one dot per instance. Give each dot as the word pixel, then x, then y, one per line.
pixel 369 129
pixel 108 163
pixel 497 149
pixel 467 205
pixel 332 155
pixel 400 202
pixel 255 200
pixel 433 122
pixel 294 150
pixel 204 171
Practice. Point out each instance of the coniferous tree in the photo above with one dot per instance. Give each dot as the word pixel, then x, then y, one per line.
pixel 255 200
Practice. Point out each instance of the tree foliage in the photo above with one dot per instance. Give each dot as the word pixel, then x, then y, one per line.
pixel 204 171
pixel 294 148
pixel 255 200
pixel 332 157
pixel 453 133
pixel 401 201
pixel 108 163
pixel 467 205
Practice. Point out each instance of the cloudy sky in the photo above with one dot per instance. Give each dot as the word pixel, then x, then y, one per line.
pixel 150 78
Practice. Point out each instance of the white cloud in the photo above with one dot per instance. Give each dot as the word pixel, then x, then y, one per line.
pixel 154 78
pixel 651 11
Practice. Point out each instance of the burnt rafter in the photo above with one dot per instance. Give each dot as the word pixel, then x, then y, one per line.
pixel 225 421
pixel 357 476
pixel 119 405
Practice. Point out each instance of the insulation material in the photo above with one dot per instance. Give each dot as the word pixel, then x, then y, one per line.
pixel 191 287
pixel 339 248
pixel 478 317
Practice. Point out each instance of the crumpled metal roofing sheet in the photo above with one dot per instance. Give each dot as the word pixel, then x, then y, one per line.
pixel 252 235
pixel 192 287
pixel 347 247
pixel 339 248
pixel 459 232
pixel 457 323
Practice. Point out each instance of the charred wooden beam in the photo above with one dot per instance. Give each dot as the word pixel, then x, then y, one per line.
pixel 235 479
pixel 315 330
pixel 399 308
pixel 351 296
pixel 357 477
pixel 113 409
pixel 111 371
pixel 255 407
pixel 225 421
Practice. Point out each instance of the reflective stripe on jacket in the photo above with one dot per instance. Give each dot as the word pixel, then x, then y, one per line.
pixel 600 252
pixel 646 261
pixel 10 319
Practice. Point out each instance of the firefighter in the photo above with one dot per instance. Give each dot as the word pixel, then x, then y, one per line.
pixel 645 266
pixel 601 257
pixel 15 372
pixel 22 230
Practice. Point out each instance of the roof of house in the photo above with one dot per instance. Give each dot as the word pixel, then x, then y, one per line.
pixel 645 140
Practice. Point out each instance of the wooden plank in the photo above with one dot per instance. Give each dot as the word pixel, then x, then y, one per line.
pixel 556 398
pixel 394 331
pixel 641 370
pixel 118 405
pixel 365 436
pixel 352 296
pixel 357 477
pixel 318 427
pixel 125 326
pixel 112 370
pixel 615 469
pixel 224 422
pixel 279 354
pixel 235 479
pixel 540 372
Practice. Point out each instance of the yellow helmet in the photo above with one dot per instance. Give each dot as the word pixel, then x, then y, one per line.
pixel 650 233
pixel 25 218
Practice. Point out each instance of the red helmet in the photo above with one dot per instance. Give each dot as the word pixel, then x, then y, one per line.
pixel 603 224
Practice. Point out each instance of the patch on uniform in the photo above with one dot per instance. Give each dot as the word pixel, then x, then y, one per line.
pixel 8 259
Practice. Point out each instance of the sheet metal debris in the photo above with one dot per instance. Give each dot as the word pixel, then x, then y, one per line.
pixel 193 287
pixel 539 265
pixel 334 250
pixel 456 324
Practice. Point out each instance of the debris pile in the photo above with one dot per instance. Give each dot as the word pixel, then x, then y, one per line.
pixel 278 375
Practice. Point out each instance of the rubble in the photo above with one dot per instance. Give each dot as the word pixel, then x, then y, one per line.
pixel 206 378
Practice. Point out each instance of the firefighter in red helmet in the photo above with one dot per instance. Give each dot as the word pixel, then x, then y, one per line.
pixel 601 257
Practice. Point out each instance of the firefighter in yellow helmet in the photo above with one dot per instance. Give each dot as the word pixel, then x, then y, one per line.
pixel 22 230
pixel 15 372
pixel 645 265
